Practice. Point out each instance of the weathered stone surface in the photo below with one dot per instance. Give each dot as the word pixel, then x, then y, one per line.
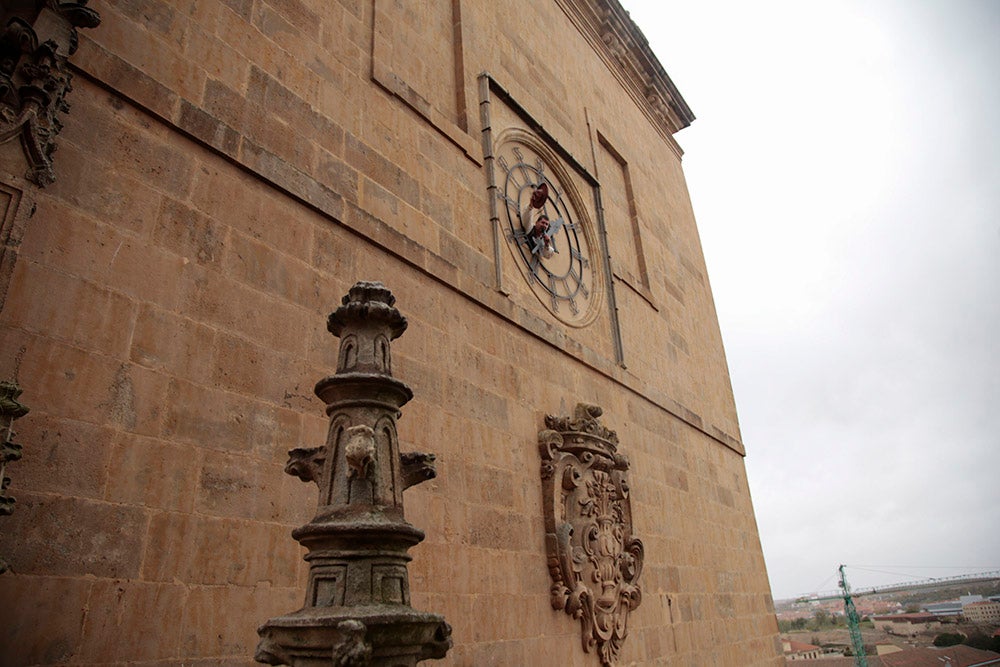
pixel 227 168
pixel 50 535
pixel 60 604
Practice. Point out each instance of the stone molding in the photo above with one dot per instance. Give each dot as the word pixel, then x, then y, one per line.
pixel 594 560
pixel 35 44
pixel 618 40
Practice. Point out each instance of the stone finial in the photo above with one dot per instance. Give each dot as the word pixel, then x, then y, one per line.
pixel 357 608
pixel 367 301
pixel 366 323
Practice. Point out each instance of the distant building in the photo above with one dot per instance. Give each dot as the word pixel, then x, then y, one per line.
pixel 985 611
pixel 952 656
pixel 953 608
pixel 883 648
pixel 800 650
pixel 840 661
pixel 906 625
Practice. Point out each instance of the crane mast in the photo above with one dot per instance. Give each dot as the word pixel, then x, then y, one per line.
pixel 853 622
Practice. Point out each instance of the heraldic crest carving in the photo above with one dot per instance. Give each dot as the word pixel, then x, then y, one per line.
pixel 593 558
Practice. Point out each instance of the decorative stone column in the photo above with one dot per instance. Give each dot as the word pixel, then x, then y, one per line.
pixel 357 608
pixel 10 410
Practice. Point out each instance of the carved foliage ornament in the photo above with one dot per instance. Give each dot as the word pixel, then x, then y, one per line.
pixel 10 410
pixel 35 77
pixel 594 560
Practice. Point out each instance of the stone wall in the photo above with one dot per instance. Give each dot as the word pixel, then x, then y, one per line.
pixel 227 170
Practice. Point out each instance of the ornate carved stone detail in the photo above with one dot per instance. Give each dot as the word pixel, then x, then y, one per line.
pixel 306 464
pixel 359 451
pixel 10 409
pixel 35 44
pixel 17 206
pixel 594 560
pixel 417 467
pixel 357 609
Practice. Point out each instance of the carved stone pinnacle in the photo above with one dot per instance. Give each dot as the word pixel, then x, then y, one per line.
pixel 357 608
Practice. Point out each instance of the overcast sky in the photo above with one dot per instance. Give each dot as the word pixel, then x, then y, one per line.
pixel 845 173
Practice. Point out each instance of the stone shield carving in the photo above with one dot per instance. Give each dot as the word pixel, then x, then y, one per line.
pixel 594 560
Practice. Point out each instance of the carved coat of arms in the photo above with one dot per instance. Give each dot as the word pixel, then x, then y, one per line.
pixel 594 560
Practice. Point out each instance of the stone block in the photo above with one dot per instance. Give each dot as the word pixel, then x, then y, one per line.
pixel 298 14
pixel 337 174
pixel 333 255
pixel 492 486
pixel 140 611
pixel 135 399
pixel 212 621
pixel 259 266
pixel 81 313
pixel 366 160
pixel 103 122
pixel 161 61
pixel 57 604
pixel 124 76
pixel 224 303
pixel 221 61
pixel 96 188
pixel 148 472
pixel 242 367
pixel 234 485
pixel 65 380
pixel 216 551
pixel 205 127
pixel 146 275
pixel 57 536
pixel 496 529
pixel 190 234
pixel 63 456
pixel 166 342
pixel 221 420
pixel 57 234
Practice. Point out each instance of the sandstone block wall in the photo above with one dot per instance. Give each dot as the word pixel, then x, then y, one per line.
pixel 227 170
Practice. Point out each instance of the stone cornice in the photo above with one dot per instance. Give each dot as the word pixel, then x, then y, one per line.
pixel 618 40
